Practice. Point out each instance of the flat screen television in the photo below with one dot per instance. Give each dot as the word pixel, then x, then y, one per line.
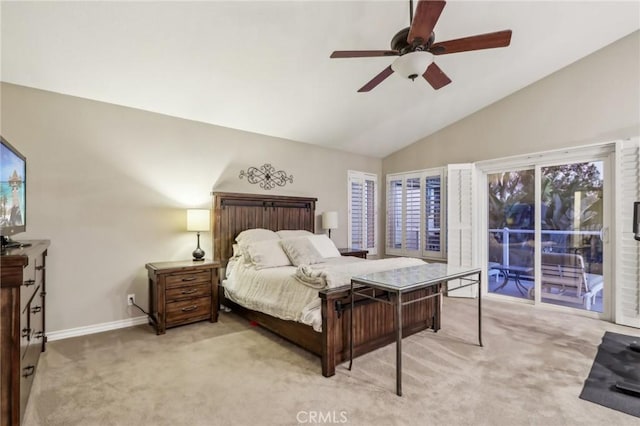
pixel 13 195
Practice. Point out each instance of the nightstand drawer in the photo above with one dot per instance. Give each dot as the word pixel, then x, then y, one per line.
pixel 190 291
pixel 188 310
pixel 188 278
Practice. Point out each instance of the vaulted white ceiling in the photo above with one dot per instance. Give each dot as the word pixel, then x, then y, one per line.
pixel 264 66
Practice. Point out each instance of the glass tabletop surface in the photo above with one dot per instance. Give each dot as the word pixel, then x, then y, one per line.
pixel 415 276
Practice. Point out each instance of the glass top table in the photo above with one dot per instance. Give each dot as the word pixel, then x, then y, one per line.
pixel 414 277
pixel 398 282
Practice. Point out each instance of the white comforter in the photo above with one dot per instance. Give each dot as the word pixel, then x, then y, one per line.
pixel 291 293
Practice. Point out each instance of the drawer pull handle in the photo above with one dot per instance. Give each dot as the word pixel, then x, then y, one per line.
pixel 189 279
pixel 40 267
pixel 28 370
pixel 191 291
pixel 190 308
pixel 36 309
pixel 27 283
pixel 26 332
pixel 39 334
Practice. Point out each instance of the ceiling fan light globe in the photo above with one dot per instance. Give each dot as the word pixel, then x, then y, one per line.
pixel 412 64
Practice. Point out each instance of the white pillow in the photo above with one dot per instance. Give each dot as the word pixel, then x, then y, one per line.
pixel 293 233
pixel 301 251
pixel 254 235
pixel 324 245
pixel 267 254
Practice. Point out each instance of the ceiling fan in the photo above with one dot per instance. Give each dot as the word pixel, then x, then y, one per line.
pixel 415 46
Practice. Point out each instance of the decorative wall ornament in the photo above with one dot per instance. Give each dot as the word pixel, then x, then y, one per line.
pixel 266 176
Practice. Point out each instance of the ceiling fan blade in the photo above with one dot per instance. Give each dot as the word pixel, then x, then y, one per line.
pixel 363 53
pixel 427 14
pixel 435 77
pixel 377 79
pixel 482 41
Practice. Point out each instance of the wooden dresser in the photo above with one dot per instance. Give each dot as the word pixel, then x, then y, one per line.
pixel 182 292
pixel 22 327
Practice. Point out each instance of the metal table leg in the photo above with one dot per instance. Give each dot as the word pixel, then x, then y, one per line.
pixel 480 308
pixel 399 344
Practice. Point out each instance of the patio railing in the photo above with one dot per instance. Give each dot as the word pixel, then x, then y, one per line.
pixel 506 237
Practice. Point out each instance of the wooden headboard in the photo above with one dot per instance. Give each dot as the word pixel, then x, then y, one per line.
pixel 234 212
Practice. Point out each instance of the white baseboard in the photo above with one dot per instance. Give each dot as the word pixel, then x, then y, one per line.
pixel 96 328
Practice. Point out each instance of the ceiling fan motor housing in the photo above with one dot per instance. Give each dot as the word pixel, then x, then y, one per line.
pixel 399 42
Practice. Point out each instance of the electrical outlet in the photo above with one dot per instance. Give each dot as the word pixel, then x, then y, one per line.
pixel 131 299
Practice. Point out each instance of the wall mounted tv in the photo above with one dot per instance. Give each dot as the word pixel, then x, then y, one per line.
pixel 13 178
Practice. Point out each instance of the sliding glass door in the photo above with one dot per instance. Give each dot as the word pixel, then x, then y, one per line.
pixel 545 235
pixel 511 238
pixel 572 223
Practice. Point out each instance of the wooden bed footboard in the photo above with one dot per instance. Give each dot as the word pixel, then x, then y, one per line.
pixel 374 324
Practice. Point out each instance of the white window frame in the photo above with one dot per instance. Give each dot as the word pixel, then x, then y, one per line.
pixel 421 252
pixel 362 177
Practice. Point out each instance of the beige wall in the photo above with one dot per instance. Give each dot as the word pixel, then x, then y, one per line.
pixel 596 99
pixel 108 185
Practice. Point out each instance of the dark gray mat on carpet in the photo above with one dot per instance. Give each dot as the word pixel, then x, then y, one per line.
pixel 614 362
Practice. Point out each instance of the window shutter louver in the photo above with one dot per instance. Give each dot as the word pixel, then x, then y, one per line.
pixel 394 216
pixel 415 214
pixel 362 211
pixel 370 214
pixel 357 208
pixel 412 214
pixel 433 216
pixel 627 249
pixel 460 223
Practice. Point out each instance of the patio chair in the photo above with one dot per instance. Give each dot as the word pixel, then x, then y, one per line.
pixel 564 278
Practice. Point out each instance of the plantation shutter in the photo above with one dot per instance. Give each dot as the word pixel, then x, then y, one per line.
pixel 394 215
pixel 356 216
pixel 370 214
pixel 413 215
pixel 362 211
pixel 460 223
pixel 433 237
pixel 627 249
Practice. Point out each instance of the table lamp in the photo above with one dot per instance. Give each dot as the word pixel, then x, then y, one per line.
pixel 330 221
pixel 198 220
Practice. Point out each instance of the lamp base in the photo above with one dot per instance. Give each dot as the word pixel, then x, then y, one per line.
pixel 198 253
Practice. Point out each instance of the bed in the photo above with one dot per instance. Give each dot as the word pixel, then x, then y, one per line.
pixel 373 322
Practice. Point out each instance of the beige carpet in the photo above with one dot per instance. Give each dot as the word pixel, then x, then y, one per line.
pixel 530 372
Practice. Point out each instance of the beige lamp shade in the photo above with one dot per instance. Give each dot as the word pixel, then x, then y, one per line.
pixel 329 220
pixel 198 220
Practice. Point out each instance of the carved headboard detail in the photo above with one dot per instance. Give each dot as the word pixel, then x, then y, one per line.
pixel 235 212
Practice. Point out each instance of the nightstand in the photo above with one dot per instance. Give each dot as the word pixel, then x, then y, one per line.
pixel 353 252
pixel 182 292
